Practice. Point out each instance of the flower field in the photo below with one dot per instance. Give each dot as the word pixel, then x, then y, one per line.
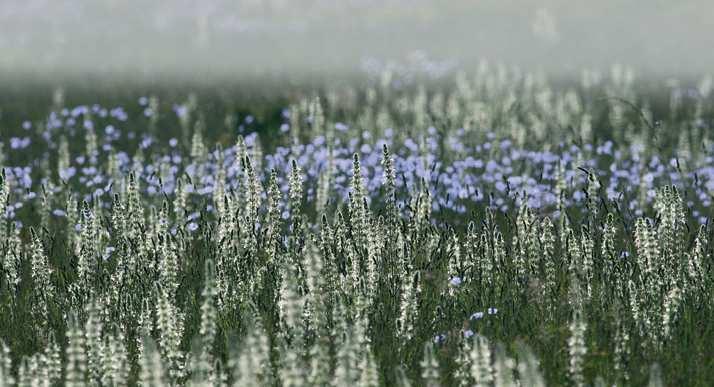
pixel 482 228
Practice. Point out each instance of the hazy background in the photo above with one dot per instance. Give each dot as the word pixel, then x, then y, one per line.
pixel 225 39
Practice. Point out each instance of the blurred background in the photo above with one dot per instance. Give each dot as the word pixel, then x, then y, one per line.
pixel 259 56
pixel 217 40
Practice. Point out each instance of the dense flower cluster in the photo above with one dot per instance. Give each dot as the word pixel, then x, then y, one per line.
pixel 403 235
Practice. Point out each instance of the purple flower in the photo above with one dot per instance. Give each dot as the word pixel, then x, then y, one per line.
pixel 180 110
pixel 411 145
pixel 146 142
pixel 477 316
pixel 67 173
pixel 19 143
pixel 250 139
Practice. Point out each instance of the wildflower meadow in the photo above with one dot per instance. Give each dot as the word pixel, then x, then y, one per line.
pixel 430 227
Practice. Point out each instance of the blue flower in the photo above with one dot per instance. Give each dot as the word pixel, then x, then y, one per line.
pixel 19 143
pixel 181 111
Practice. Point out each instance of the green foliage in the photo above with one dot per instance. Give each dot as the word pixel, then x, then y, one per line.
pixel 372 290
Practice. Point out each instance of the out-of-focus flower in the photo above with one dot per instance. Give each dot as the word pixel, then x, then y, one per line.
pixel 477 316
